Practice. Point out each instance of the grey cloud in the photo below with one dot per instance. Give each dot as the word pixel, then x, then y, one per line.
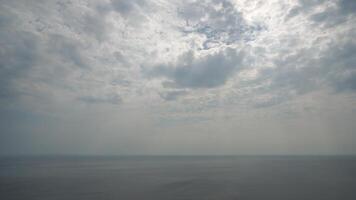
pixel 121 82
pixel 280 84
pixel 46 16
pixel 28 55
pixel 18 54
pixel 330 16
pixel 293 12
pixel 56 57
pixel 339 64
pixel 269 101
pixel 348 6
pixel 169 121
pixel 346 82
pixel 172 95
pixel 126 7
pixel 303 7
pixel 291 75
pixel 114 99
pixel 122 6
pixel 119 57
pixel 311 3
pixel 91 23
pixel 225 24
pixel 341 55
pixel 132 11
pixel 300 74
pixel 69 50
pixel 95 25
pixel 295 73
pixel 206 72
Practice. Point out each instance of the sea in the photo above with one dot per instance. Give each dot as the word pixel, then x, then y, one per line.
pixel 178 178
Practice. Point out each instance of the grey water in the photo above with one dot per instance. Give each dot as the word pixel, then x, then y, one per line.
pixel 178 178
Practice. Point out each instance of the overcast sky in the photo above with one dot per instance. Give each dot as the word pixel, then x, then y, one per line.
pixel 177 77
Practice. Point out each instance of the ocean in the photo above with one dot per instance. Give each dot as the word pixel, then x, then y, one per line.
pixel 178 178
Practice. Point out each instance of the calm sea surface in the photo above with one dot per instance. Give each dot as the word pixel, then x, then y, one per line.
pixel 188 178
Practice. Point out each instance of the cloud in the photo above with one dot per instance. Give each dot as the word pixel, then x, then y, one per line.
pixel 219 21
pixel 126 7
pixel 18 54
pixel 45 54
pixel 339 64
pixel 349 6
pixel 95 25
pixel 323 12
pixel 69 50
pixel 346 82
pixel 172 95
pixel 134 12
pixel 301 73
pixel 193 66
pixel 205 72
pixel 108 99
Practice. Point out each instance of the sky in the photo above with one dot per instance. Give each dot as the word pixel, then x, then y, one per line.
pixel 177 77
